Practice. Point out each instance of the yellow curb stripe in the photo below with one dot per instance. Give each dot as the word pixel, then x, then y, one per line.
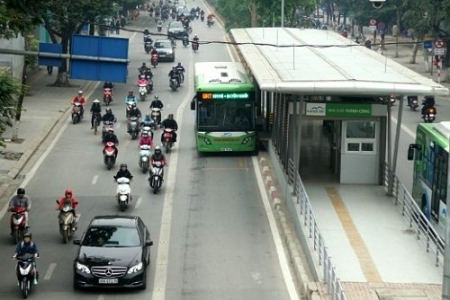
pixel 368 267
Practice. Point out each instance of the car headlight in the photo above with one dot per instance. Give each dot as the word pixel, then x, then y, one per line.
pixel 246 140
pixel 83 268
pixel 135 268
pixel 207 141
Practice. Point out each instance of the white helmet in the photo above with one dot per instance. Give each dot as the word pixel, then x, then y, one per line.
pixel 80 92
pixel 96 101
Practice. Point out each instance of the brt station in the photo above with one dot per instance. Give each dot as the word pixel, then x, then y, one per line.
pixel 324 102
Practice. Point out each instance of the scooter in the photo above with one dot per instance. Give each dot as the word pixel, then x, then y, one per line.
pixel 156 116
pixel 25 273
pixel 185 41
pixel 128 108
pixel 144 157
pixel 148 47
pixel 159 27
pixel 173 84
pixel 195 46
pixel 429 114
pixel 123 192
pixel 108 153
pixel 154 60
pixel 413 102
pixel 66 220
pixel 202 17
pixel 106 126
pixel 76 112
pixel 143 92
pixel 156 176
pixel 133 127
pixel 147 128
pixel 168 139
pixel 210 23
pixel 17 223
pixel 107 96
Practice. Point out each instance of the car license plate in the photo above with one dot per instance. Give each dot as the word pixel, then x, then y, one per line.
pixel 162 55
pixel 108 280
pixel 226 149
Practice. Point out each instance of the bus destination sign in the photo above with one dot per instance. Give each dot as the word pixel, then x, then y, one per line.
pixel 223 96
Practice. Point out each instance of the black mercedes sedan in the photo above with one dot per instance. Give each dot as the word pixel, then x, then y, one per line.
pixel 114 253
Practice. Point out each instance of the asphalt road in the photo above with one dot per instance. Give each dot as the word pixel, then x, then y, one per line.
pixel 212 234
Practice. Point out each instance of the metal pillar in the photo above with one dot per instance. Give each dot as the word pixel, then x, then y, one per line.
pixel 282 13
pixel 397 136
pixel 389 148
pixel 299 137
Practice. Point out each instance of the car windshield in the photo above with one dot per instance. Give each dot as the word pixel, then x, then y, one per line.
pixel 111 236
pixel 176 25
pixel 161 45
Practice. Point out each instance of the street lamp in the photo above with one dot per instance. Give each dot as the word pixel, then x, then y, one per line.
pixel 282 13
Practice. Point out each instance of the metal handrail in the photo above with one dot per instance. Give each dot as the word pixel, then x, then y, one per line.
pixel 416 219
pixel 309 220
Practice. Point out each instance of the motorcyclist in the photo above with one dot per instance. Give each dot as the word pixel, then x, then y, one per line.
pixel 202 15
pixel 143 81
pixel 109 116
pixel 123 172
pixel 172 124
pixel 427 102
pixel 134 112
pixel 158 156
pixel 185 37
pixel 20 200
pixel 130 97
pixel 146 37
pixel 156 103
pixel 146 139
pixel 210 17
pixel 154 52
pixel 69 199
pixel 196 39
pixel 174 74
pixel 80 99
pixel 181 71
pixel 96 109
pixel 27 246
pixel 111 137
pixel 159 24
pixel 144 70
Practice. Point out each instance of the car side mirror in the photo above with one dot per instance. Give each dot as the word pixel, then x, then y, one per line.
pixel 192 105
pixel 77 242
pixel 411 151
pixel 149 243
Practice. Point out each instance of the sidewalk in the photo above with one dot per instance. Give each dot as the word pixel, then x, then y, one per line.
pixel 45 108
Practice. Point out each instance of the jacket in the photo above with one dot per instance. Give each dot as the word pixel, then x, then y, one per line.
pixel 20 202
pixel 110 138
pixel 142 81
pixel 135 113
pixel 96 109
pixel 82 100
pixel 108 117
pixel 125 173
pixel 157 104
pixel 130 99
pixel 62 202
pixel 160 157
pixel 167 123
pixel 26 248
pixel 146 140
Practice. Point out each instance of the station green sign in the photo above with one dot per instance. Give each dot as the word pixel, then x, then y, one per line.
pixel 339 110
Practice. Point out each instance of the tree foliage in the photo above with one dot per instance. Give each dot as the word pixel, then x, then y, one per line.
pixel 10 89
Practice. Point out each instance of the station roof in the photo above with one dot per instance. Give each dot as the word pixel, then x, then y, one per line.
pixel 322 62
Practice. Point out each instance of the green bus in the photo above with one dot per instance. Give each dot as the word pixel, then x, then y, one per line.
pixel 430 154
pixel 224 107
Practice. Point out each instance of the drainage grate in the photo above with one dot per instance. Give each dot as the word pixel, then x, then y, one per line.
pixel 10 155
pixel 20 177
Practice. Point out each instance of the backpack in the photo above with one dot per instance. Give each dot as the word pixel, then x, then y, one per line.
pixel 22 244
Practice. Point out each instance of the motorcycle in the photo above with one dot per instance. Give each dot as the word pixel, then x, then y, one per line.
pixel 210 23
pixel 123 192
pixel 147 128
pixel 134 127
pixel 76 112
pixel 142 91
pixel 148 47
pixel 128 108
pixel 159 27
pixel 173 84
pixel 156 176
pixel 97 121
pixel 106 126
pixel 202 17
pixel 172 40
pixel 429 114
pixel 168 139
pixel 144 157
pixel 17 223
pixel 154 60
pixel 195 46
pixel 66 222
pixel 107 96
pixel 413 102
pixel 156 116
pixel 108 153
pixel 25 273
pixel 185 41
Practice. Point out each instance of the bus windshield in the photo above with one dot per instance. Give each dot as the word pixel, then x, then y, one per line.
pixel 220 115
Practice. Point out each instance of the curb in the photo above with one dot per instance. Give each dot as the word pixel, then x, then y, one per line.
pixel 306 289
pixel 31 150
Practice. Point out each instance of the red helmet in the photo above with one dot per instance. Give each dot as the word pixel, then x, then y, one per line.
pixel 69 192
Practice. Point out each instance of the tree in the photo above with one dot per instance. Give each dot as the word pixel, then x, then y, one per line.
pixel 10 89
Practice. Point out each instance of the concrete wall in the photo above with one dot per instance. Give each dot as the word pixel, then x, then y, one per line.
pixel 14 62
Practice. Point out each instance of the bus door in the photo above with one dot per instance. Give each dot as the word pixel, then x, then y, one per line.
pixel 439 187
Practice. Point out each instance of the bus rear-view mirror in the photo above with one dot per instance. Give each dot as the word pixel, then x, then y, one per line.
pixel 192 105
pixel 411 152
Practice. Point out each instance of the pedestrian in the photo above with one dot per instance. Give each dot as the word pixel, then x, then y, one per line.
pixel 117 26
pixel 50 70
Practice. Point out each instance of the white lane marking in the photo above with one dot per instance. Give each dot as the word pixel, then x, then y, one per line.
pixel 288 280
pixel 33 171
pixel 50 271
pixel 78 217
pixel 101 297
pixel 162 258
pixel 94 179
pixel 404 127
pixel 138 202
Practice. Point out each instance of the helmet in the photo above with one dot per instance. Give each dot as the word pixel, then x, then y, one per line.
pixel 145 133
pixel 156 97
pixel 80 92
pixel 195 35
pixel 147 116
pixel 157 150
pixel 27 234
pixel 96 101
pixel 179 63
pixel 143 64
pixel 174 67
pixel 68 192
pixel 130 92
pixel 170 116
pixel 108 110
pixel 20 191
